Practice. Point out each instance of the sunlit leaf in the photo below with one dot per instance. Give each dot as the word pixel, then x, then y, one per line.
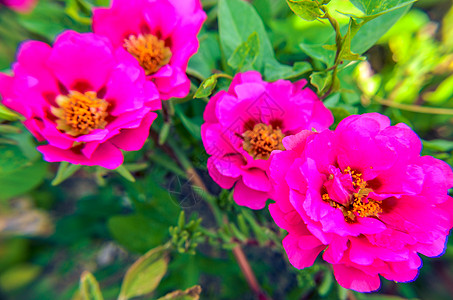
pixel 306 9
pixel 246 53
pixel 89 287
pixel 145 274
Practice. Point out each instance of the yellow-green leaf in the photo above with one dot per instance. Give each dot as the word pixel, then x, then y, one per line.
pixel 192 293
pixel 306 9
pixel 89 287
pixel 145 274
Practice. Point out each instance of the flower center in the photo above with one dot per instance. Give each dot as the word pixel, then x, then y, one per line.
pixel 80 113
pixel 150 51
pixel 262 140
pixel 359 204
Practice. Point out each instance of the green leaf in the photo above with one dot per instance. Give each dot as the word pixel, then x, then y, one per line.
pixel 125 173
pixel 246 53
pixel 237 21
pixel 21 181
pixel 89 287
pixel 136 232
pixel 65 170
pixel 11 159
pixel 443 92
pixel 206 87
pixel 306 9
pixel 279 71
pixel 193 128
pixel 18 276
pixel 163 134
pixel 9 115
pixel 321 80
pixel 49 19
pixel 319 52
pixel 192 293
pixel 145 274
pixel 79 10
pixel 373 7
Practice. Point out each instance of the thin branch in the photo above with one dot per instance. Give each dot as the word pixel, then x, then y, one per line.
pixel 414 108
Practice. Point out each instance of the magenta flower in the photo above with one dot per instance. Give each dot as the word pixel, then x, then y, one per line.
pixel 161 35
pixel 364 195
pixel 245 124
pixel 84 98
pixel 22 6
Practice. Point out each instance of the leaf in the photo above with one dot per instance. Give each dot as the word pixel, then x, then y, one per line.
pixel 9 115
pixel 163 134
pixel 19 276
pixel 319 52
pixel 89 287
pixel 193 128
pixel 49 19
pixel 65 170
pixel 280 71
pixel 22 180
pixel 192 293
pixel 246 53
pixel 206 87
pixel 11 159
pixel 145 274
pixel 136 232
pixel 237 21
pixel 321 80
pixel 205 60
pixel 125 173
pixel 306 9
pixel 373 7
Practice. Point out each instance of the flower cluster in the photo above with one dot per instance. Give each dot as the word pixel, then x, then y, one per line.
pixel 246 123
pixel 362 194
pixel 91 95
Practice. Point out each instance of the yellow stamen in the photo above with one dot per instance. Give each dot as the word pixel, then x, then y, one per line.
pixel 150 51
pixel 262 140
pixel 359 204
pixel 79 113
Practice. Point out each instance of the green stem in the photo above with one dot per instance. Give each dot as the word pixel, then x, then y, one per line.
pixel 415 108
pixel 338 43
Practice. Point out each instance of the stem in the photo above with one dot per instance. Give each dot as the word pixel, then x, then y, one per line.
pixel 338 43
pixel 248 272
pixel 415 108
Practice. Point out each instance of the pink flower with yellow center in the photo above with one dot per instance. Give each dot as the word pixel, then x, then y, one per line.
pixel 160 34
pixel 22 6
pixel 246 123
pixel 364 196
pixel 86 99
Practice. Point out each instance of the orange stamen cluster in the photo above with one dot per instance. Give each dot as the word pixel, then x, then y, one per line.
pixel 262 140
pixel 150 51
pixel 79 113
pixel 359 204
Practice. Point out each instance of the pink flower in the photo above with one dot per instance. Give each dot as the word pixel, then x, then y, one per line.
pixel 246 123
pixel 364 195
pixel 22 6
pixel 84 98
pixel 160 34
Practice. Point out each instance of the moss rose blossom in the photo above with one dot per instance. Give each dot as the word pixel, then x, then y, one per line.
pixel 83 97
pixel 246 123
pixel 160 34
pixel 364 196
